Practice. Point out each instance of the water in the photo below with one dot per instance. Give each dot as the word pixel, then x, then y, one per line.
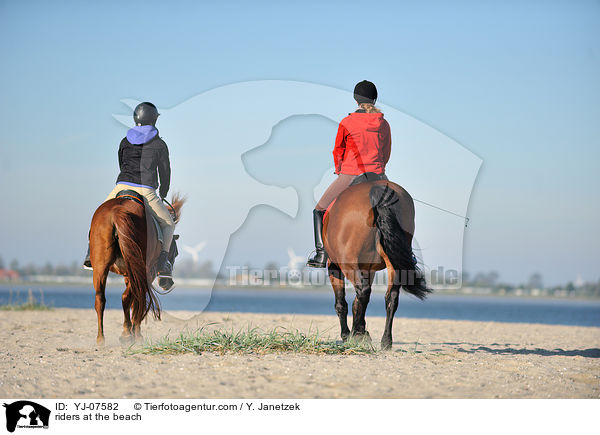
pixel 482 308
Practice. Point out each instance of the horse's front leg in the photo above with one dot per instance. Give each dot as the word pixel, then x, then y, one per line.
pixel 126 302
pixel 362 284
pixel 341 306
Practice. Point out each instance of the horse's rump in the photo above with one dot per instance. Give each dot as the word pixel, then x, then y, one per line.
pixel 133 239
pixel 120 227
pixel 349 229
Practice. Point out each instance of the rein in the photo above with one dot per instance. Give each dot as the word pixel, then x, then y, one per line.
pixel 443 209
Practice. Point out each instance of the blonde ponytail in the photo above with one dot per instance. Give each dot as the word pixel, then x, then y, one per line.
pixel 369 108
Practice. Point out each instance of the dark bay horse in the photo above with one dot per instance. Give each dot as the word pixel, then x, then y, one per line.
pixel 369 228
pixel 124 242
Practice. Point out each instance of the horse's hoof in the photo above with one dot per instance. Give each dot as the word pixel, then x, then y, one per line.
pixel 386 344
pixel 126 339
pixel 345 337
pixel 100 341
pixel 362 337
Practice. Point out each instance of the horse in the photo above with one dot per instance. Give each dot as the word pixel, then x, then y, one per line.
pixel 370 227
pixel 123 240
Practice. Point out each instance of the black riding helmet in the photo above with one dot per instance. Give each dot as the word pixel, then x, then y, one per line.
pixel 145 114
pixel 365 92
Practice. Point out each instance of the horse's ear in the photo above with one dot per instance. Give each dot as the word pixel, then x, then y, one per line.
pixel 5 405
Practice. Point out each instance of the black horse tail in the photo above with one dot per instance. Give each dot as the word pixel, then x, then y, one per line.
pixel 395 241
pixel 129 236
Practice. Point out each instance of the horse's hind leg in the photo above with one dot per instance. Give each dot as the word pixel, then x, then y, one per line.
pixel 126 301
pixel 362 281
pixel 341 306
pixel 100 275
pixel 102 256
pixel 137 315
pixel 391 303
pixel 136 330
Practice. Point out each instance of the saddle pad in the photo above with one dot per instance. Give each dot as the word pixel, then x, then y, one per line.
pixel 159 233
pixel 329 208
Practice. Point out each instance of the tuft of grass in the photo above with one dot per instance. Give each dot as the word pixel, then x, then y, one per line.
pixel 31 304
pixel 253 341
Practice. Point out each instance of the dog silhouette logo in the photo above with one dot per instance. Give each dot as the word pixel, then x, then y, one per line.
pixel 26 414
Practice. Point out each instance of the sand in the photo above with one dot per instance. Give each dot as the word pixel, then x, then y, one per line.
pixel 52 354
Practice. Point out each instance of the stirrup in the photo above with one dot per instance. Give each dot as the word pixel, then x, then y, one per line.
pixel 313 262
pixel 165 274
pixel 164 266
pixel 166 284
pixel 87 263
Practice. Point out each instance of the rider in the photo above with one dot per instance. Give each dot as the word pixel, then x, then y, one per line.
pixel 142 154
pixel 363 144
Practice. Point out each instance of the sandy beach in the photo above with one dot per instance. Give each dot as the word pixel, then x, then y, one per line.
pixel 52 354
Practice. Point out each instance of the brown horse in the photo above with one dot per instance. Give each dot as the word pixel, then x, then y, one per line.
pixel 368 228
pixel 124 242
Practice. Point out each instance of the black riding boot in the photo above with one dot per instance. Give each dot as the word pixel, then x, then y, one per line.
pixel 87 263
pixel 163 265
pixel 320 257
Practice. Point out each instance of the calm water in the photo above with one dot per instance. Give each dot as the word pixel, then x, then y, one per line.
pixel 484 308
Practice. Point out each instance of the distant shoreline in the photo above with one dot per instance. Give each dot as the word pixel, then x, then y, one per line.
pixel 185 284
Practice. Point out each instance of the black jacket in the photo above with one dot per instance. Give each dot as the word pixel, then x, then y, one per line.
pixel 139 164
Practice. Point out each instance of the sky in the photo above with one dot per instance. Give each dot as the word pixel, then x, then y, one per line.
pixel 513 82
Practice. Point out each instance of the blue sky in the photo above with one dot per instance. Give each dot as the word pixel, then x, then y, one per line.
pixel 515 83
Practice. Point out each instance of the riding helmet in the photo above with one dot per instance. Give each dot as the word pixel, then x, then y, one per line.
pixel 145 114
pixel 365 92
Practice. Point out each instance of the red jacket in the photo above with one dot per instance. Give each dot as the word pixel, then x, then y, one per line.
pixel 363 144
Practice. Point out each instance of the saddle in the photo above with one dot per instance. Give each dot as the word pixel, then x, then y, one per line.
pixel 368 176
pixel 136 197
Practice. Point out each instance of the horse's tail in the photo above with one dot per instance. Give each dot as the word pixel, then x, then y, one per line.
pixel 143 296
pixel 395 241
